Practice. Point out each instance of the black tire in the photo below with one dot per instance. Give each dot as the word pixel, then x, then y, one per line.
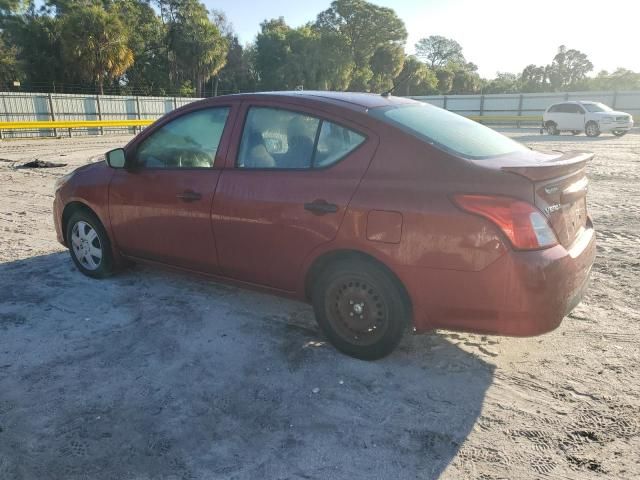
pixel 620 133
pixel 355 288
pixel 576 132
pixel 552 128
pixel 592 129
pixel 89 264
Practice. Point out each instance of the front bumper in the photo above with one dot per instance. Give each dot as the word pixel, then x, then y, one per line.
pixel 520 294
pixel 57 218
pixel 615 126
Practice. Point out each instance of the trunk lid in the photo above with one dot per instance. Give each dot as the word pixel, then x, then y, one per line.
pixel 560 188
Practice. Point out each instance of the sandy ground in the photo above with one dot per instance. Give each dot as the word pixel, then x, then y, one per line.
pixel 156 375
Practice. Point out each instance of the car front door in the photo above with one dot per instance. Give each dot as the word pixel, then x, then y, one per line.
pixel 287 190
pixel 577 117
pixel 160 204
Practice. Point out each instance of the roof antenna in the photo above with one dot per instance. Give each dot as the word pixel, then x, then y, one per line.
pixel 407 77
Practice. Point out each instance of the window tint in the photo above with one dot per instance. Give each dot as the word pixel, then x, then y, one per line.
pixel 554 108
pixel 448 131
pixel 189 141
pixel 274 138
pixel 334 143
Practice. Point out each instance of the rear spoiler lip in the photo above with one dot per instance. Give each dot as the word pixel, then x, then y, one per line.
pixel 557 167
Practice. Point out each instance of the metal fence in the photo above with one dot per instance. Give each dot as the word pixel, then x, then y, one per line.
pixel 23 107
pixel 529 104
pixel 501 108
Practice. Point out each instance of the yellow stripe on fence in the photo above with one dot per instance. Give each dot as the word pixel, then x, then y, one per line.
pixel 74 124
pixel 506 118
pixel 145 122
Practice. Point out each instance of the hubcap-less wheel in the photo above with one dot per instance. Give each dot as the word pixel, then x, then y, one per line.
pixel 552 129
pixel 357 311
pixel 86 245
pixel 592 130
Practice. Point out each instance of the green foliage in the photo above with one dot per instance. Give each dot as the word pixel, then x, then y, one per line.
pixel 196 50
pixel 416 79
pixel 95 45
pixel 569 67
pixel 10 68
pixel 179 47
pixel 439 52
pixel 362 28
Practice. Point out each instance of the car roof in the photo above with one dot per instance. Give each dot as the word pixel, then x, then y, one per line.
pixel 353 100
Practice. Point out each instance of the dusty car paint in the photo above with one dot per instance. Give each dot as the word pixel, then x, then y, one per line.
pixel 393 203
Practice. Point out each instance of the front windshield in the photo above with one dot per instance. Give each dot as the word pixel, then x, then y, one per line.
pixel 448 131
pixel 596 107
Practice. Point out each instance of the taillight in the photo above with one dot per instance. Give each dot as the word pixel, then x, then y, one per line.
pixel 522 223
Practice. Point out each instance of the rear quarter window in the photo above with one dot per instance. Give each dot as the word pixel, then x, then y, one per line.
pixel 448 131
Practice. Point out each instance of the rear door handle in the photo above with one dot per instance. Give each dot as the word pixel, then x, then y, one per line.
pixel 321 207
pixel 189 196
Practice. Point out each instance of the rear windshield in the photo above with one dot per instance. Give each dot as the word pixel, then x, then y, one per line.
pixel 448 131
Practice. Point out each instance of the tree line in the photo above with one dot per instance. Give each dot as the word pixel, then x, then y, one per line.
pixel 161 47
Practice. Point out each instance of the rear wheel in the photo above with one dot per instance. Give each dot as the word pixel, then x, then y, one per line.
pixel 361 308
pixel 89 245
pixel 620 133
pixel 552 128
pixel 592 129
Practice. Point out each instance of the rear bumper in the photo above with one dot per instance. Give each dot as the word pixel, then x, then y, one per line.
pixel 520 294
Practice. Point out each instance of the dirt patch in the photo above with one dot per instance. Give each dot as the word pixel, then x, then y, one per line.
pixel 157 375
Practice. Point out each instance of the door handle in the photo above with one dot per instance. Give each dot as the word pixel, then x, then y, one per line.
pixel 189 196
pixel 321 207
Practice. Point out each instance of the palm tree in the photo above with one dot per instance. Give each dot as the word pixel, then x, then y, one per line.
pixel 94 42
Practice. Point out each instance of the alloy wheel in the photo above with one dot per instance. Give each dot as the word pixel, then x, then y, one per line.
pixel 86 245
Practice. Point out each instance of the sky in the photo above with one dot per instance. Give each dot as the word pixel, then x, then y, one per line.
pixel 496 35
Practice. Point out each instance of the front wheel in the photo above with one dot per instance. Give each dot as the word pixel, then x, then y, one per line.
pixel 552 128
pixel 620 133
pixel 592 129
pixel 89 245
pixel 360 308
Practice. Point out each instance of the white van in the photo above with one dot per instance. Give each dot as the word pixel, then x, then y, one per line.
pixel 593 118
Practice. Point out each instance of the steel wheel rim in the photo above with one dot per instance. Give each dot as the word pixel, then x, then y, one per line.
pixel 591 129
pixel 86 245
pixel 551 130
pixel 357 310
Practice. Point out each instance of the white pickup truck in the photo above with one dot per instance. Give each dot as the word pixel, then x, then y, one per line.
pixel 593 118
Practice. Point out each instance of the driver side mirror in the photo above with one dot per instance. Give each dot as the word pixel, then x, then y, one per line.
pixel 116 158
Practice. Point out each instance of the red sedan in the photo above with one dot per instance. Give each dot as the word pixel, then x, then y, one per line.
pixel 382 212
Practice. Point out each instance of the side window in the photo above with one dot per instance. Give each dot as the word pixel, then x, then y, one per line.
pixel 564 108
pixel 334 143
pixel 189 141
pixel 274 138
pixel 579 109
pixel 554 108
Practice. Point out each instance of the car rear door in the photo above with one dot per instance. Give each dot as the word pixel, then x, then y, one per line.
pixel 160 205
pixel 291 174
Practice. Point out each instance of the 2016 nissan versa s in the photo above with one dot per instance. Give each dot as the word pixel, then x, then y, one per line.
pixel 380 211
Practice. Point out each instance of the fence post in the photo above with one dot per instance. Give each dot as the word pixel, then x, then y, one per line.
pixel 444 105
pixel 53 115
pixel 519 108
pixel 99 109
pixel 481 105
pixel 615 99
pixel 175 103
pixel 135 129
